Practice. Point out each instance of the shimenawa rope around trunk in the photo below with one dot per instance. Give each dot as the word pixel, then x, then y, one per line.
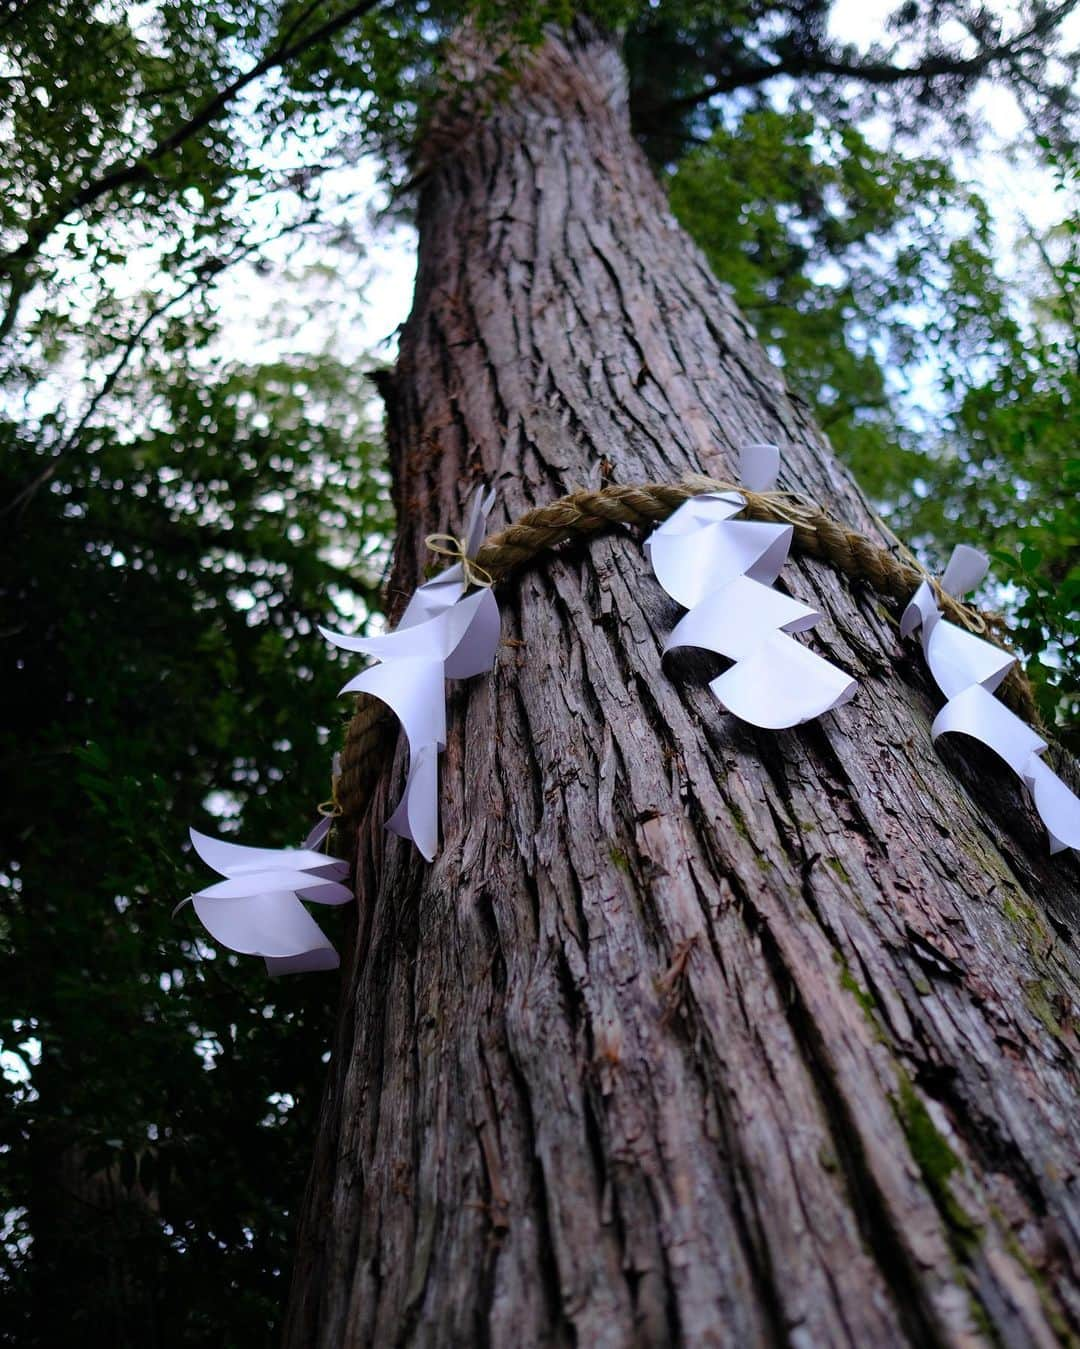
pixel 588 512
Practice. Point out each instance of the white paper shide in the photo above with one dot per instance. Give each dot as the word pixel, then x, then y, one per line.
pixel 722 570
pixel 968 670
pixel 257 910
pixel 443 634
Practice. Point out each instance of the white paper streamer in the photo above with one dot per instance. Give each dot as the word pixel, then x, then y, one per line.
pixel 443 634
pixel 968 670
pixel 722 570
pixel 257 911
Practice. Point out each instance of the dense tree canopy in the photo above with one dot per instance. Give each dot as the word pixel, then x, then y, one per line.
pixel 179 513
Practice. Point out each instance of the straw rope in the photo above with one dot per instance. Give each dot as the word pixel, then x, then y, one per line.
pixel 585 513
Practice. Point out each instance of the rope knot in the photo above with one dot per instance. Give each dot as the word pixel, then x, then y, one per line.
pixel 449 545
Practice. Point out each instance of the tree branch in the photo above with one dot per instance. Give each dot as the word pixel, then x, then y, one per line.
pixel 749 75
pixel 126 173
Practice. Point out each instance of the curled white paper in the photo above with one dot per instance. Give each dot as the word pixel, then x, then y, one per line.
pixel 235 859
pixel 759 467
pixel 1058 807
pixel 416 816
pixel 414 690
pixel 722 570
pixel 321 829
pixel 782 683
pixel 734 620
pixel 968 670
pixel 448 586
pixel 256 909
pixel 443 634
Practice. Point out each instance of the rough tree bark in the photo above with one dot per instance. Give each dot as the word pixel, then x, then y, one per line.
pixel 692 1033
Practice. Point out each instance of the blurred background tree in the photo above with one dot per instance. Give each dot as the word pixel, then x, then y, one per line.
pixel 191 481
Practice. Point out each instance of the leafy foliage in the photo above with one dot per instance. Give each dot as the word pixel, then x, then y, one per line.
pixel 691 59
pixel 830 245
pixel 162 594
pixel 178 514
pixel 1008 467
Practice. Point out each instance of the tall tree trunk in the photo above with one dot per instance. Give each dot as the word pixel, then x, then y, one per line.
pixel 691 1033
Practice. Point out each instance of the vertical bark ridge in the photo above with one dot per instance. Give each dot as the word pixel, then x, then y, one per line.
pixel 691 1033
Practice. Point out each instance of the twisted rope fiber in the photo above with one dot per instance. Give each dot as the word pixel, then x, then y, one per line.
pixel 586 512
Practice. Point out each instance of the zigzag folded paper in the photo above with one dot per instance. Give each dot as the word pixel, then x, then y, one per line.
pixel 443 634
pixel 722 570
pixel 257 911
pixel 968 670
